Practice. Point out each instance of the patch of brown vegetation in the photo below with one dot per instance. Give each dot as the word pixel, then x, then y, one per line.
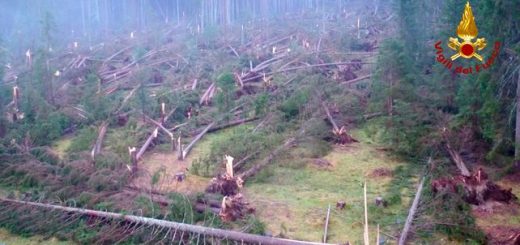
pixel 503 235
pixel 382 172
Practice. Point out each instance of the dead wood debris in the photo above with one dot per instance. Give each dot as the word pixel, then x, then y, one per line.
pixel 477 188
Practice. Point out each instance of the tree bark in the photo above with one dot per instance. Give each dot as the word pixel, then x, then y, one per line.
pixel 517 127
pixel 151 137
pixel 353 81
pixel 99 141
pixel 329 116
pixel 252 171
pixel 326 225
pixel 213 232
pixel 455 156
pixel 186 150
pixel 413 209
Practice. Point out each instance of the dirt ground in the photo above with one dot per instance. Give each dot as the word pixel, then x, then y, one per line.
pixel 167 164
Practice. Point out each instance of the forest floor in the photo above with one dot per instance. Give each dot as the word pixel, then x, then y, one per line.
pixel 292 195
pixel 293 200
pixel 500 221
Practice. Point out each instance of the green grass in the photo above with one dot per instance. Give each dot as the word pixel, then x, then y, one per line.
pixel 60 146
pixel 9 239
pixel 293 200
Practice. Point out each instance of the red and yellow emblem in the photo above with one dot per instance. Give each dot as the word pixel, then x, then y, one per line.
pixel 467 31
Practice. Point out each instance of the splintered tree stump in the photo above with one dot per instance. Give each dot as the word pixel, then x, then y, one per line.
pixel 234 207
pixel 380 202
pixel 180 176
pixel 341 205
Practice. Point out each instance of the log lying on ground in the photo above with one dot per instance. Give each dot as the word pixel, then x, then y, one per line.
pixel 411 213
pixel 228 125
pixel 188 148
pixel 359 79
pixel 329 116
pixel 206 97
pixel 455 156
pixel 266 161
pixel 99 141
pixel 341 135
pixel 179 227
pixel 148 141
pixel 126 99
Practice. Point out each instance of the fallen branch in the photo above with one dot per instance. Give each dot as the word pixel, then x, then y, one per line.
pixel 179 227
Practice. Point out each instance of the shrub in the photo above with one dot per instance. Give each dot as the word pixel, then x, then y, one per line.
pixel 293 105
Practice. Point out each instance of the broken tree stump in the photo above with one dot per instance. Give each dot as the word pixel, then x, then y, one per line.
pixel 341 205
pixel 234 207
pixel 133 159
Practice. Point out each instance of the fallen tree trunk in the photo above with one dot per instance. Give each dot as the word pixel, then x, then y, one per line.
pixel 99 141
pixel 341 135
pixel 252 171
pixel 151 137
pixel 204 99
pixel 455 156
pixel 232 124
pixel 413 209
pixel 353 81
pixel 326 229
pixel 207 231
pixel 186 150
pixel 329 116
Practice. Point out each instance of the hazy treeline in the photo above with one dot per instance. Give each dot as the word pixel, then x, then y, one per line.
pixel 95 20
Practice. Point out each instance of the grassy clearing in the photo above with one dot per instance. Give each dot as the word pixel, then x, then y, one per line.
pixel 60 146
pixel 294 198
pixel 163 160
pixel 6 238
